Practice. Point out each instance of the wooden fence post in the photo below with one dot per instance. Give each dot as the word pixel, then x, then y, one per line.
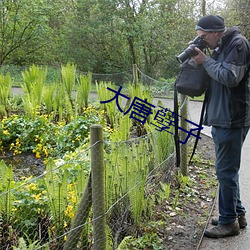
pixel 183 135
pixel 80 218
pixel 98 194
pixel 135 74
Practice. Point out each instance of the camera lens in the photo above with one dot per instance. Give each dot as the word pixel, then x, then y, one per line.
pixel 187 53
pixel 190 50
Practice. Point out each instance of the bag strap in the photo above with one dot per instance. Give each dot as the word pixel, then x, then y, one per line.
pixel 200 124
pixel 176 134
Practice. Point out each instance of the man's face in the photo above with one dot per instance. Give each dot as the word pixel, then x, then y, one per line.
pixel 211 38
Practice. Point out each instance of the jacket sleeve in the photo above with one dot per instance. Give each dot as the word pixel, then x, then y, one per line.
pixel 234 66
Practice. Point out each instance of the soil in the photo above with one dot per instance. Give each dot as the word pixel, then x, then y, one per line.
pixel 25 164
pixel 187 222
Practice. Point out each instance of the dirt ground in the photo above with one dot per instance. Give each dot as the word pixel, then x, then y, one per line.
pixel 187 222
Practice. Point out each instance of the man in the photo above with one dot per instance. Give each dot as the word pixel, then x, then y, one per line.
pixel 228 112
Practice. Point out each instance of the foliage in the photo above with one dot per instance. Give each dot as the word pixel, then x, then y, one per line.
pixel 30 204
pixel 22 245
pixel 6 184
pixel 22 23
pixel 46 205
pixel 34 81
pixel 236 13
pixel 43 137
pixel 68 74
pixel 104 94
pixel 147 241
pixel 106 36
pixel 50 201
pixel 5 90
pixel 83 90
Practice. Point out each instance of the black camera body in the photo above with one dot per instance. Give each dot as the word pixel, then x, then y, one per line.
pixel 190 51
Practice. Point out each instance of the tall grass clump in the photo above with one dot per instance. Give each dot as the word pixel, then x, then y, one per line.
pixel 163 145
pixel 33 85
pixel 5 90
pixel 104 94
pixel 48 98
pixel 83 91
pixel 68 74
pixel 6 184
pixel 127 168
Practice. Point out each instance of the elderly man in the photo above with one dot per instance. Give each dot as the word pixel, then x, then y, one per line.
pixel 228 112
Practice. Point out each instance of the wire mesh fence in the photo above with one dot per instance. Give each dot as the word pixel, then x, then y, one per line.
pixel 56 209
pixel 159 87
pixel 46 210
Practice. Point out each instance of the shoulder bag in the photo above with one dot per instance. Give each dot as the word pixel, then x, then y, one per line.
pixel 192 79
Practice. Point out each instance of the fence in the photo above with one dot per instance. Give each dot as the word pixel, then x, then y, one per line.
pixel 53 210
pixel 95 202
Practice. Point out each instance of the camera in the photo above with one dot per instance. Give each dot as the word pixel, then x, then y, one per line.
pixel 190 51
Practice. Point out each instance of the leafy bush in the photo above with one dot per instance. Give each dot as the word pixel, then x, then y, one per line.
pixel 44 138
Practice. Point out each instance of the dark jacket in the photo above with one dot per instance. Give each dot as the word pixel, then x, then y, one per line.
pixel 228 103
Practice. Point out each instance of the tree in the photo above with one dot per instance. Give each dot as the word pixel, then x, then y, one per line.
pixel 237 13
pixel 21 21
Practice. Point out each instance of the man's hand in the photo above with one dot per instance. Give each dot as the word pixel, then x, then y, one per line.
pixel 200 58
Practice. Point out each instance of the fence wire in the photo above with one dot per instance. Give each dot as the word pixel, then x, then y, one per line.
pixel 43 211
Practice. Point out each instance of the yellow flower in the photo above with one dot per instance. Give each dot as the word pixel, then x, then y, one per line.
pixel 31 187
pixel 14 209
pixel 45 151
pixel 37 196
pixel 73 199
pixel 6 132
pixel 69 211
pixel 38 156
pixel 17 152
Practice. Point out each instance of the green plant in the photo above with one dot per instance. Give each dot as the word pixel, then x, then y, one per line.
pixel 23 246
pixel 48 98
pixel 147 241
pixel 83 91
pixel 142 92
pixel 164 191
pixel 68 74
pixel 28 244
pixel 126 172
pixel 5 90
pixel 162 145
pixel 176 199
pixel 6 184
pixel 30 207
pixel 34 81
pixel 105 95
pixel 44 137
pixel 184 181
pixel 56 187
